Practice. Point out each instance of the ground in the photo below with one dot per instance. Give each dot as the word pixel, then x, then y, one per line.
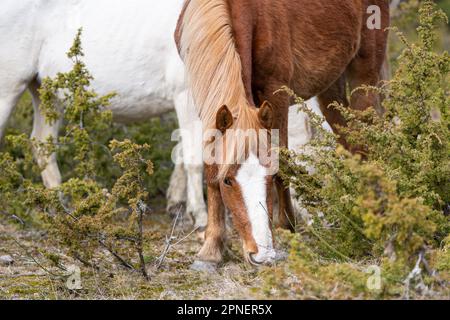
pixel 25 279
pixel 31 277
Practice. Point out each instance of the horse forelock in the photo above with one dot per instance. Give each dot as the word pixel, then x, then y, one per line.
pixel 214 69
pixel 242 141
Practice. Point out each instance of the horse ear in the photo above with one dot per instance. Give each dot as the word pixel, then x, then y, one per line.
pixel 265 115
pixel 224 119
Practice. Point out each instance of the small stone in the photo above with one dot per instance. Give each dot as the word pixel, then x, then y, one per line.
pixel 281 255
pixel 6 260
pixel 204 266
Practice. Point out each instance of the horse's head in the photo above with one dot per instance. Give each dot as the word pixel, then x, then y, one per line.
pixel 246 185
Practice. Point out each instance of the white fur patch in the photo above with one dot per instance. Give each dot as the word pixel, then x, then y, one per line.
pixel 252 180
pixel 299 125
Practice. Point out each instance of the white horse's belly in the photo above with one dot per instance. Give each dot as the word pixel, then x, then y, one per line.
pixel 137 109
pixel 129 49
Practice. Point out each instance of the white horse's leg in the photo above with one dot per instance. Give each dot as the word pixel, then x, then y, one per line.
pixel 6 107
pixel 41 132
pixel 9 96
pixel 300 133
pixel 196 203
pixel 192 159
pixel 176 193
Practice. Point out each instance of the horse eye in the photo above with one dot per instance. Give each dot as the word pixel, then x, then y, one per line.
pixel 227 181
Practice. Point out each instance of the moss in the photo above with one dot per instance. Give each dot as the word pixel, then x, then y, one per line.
pixel 26 287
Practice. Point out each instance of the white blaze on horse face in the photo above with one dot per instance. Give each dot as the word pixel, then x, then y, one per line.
pixel 252 180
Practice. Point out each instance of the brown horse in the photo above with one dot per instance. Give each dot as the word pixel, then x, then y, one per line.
pixel 237 54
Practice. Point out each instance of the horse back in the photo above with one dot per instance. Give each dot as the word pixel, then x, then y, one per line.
pixel 306 44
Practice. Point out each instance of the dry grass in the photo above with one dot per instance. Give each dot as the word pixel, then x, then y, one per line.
pixel 297 278
pixel 25 279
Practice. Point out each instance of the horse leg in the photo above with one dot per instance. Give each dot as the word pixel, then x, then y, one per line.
pixel 176 193
pixel 196 206
pixel 369 66
pixel 286 216
pixel 300 133
pixel 193 160
pixel 335 93
pixel 365 71
pixel 6 107
pixel 211 253
pixel 281 102
pixel 8 100
pixel 41 132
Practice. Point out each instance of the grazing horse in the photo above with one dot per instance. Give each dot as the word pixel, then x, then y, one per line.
pixel 237 54
pixel 128 48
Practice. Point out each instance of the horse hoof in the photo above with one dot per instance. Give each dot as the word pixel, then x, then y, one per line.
pixel 176 210
pixel 201 234
pixel 200 218
pixel 204 266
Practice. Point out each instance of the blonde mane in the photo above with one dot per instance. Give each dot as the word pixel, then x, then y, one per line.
pixel 214 69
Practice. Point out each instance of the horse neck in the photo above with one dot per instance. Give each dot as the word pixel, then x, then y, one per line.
pixel 213 64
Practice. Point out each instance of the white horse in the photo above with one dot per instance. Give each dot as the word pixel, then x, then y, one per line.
pixel 129 49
